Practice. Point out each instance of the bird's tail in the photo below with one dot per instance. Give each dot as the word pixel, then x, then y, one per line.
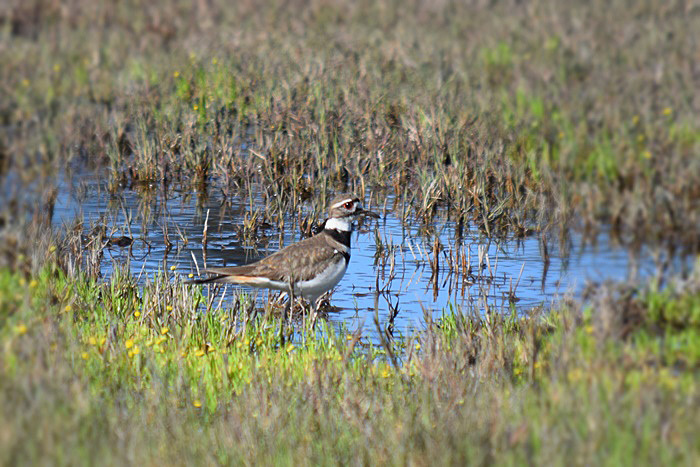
pixel 206 280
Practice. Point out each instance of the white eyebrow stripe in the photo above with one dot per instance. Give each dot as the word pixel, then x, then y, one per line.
pixel 340 203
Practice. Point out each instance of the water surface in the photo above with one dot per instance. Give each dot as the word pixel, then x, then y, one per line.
pixel 504 275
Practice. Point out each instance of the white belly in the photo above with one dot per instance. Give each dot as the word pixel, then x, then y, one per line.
pixel 311 289
pixel 329 278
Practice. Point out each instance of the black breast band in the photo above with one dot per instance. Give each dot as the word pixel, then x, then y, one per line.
pixel 340 236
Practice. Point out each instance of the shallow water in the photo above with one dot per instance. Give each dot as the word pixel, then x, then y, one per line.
pixel 513 273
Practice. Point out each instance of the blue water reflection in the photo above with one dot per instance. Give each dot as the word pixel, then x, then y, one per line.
pixel 503 274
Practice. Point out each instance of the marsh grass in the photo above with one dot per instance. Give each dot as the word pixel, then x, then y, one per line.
pixel 122 373
pixel 550 115
pixel 514 118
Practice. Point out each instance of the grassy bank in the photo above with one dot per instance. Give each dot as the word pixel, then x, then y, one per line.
pixel 112 372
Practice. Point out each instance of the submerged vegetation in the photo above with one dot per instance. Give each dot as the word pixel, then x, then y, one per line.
pixel 514 118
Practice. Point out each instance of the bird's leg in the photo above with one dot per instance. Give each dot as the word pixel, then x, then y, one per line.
pixel 284 320
pixel 290 307
pixel 314 313
pixel 292 300
pixel 303 317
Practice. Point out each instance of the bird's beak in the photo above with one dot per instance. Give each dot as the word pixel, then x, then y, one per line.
pixel 363 212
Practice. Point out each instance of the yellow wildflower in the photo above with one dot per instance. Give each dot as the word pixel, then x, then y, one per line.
pixel 176 74
pixel 21 329
pixel 168 308
pixel 92 341
pixel 164 330
pixel 173 267
pixel 68 308
pixel 197 403
pixel 199 353
pixel 129 343
pixel 668 111
pixel 84 355
pixel 137 314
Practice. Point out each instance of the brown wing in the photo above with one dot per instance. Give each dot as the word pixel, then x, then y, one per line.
pixel 301 258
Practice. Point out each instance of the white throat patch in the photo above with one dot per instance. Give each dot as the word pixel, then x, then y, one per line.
pixel 343 224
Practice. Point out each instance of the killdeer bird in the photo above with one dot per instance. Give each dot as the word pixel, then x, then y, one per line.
pixel 314 265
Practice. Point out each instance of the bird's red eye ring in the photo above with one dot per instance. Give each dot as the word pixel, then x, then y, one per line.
pixel 348 205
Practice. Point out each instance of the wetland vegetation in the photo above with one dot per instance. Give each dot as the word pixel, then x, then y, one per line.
pixel 508 121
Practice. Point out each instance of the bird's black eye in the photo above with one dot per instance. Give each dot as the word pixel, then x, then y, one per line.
pixel 348 205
